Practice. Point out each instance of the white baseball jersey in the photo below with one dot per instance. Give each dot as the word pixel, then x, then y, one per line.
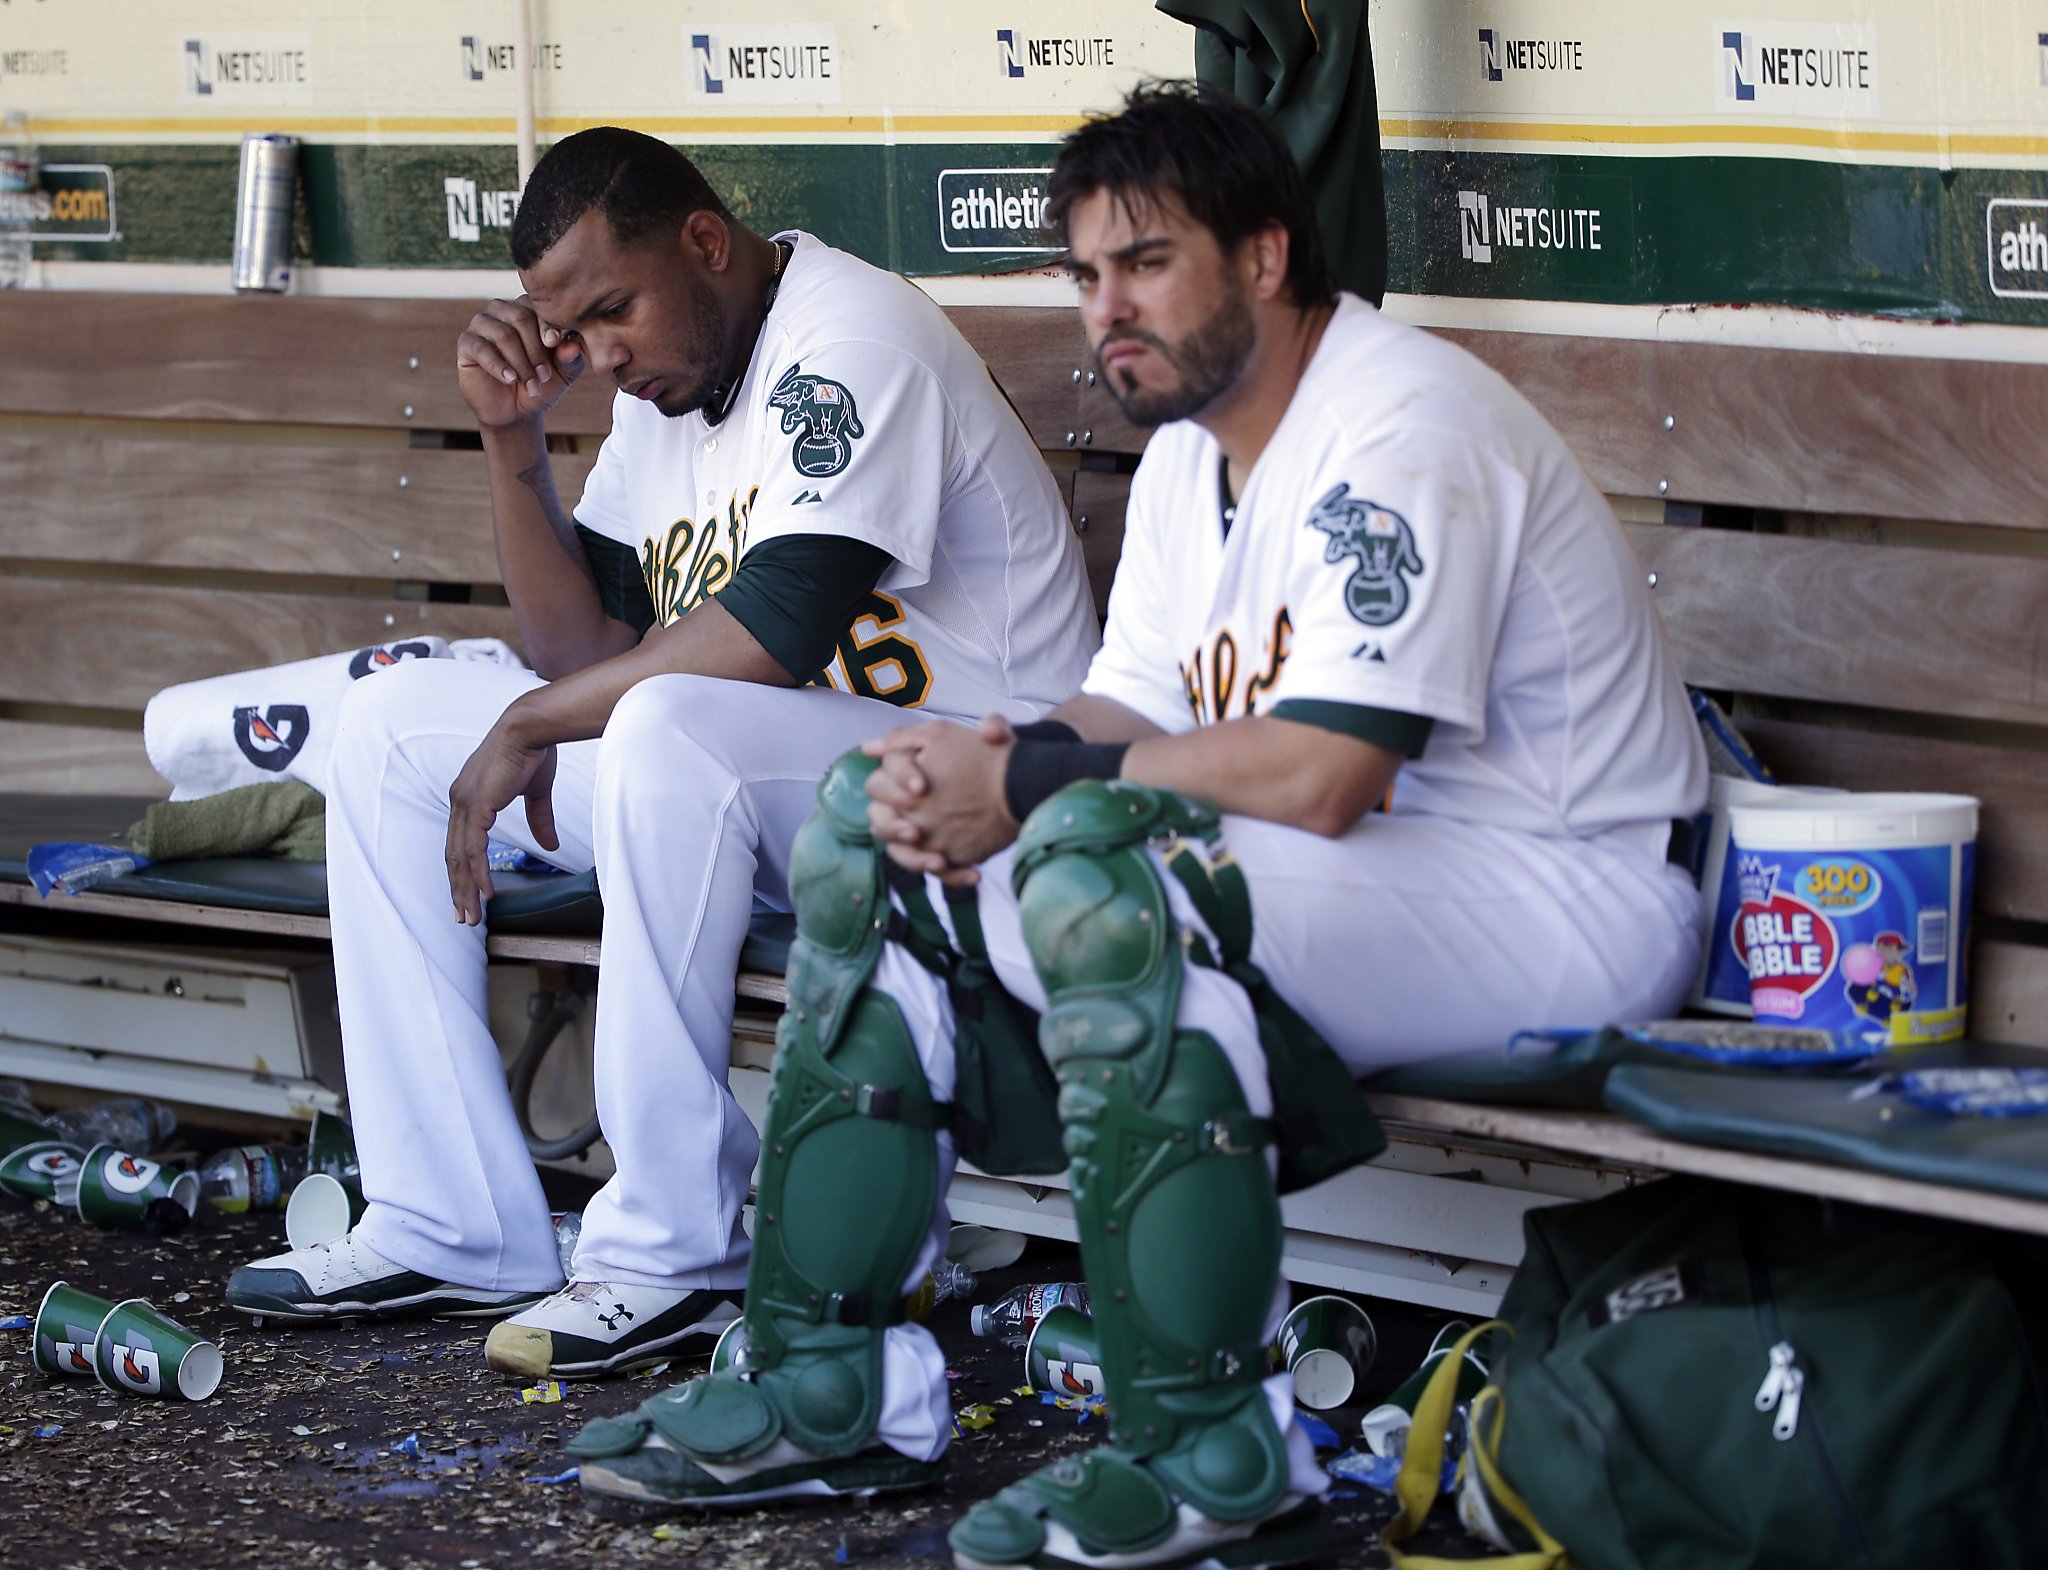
pixel 1414 538
pixel 865 414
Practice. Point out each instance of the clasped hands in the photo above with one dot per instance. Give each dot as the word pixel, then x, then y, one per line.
pixel 936 803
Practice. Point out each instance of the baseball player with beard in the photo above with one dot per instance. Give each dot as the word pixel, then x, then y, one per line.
pixel 1356 562
pixel 812 488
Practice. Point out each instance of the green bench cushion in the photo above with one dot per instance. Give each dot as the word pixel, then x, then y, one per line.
pixel 551 904
pixel 1815 1119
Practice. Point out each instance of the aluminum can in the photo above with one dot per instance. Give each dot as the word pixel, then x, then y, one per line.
pixel 263 213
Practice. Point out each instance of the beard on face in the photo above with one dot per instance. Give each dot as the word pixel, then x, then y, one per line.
pixel 695 385
pixel 1210 360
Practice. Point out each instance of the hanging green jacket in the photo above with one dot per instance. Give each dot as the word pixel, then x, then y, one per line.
pixel 1307 66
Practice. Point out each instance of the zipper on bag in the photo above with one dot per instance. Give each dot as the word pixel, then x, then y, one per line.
pixel 1783 1389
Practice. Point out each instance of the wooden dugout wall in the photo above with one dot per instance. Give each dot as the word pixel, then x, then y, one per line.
pixel 1851 549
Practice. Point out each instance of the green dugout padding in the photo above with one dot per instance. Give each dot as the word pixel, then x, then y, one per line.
pixel 557 904
pixel 1567 1075
pixel 1816 1119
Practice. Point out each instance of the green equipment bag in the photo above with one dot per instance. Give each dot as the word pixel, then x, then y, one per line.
pixel 1695 1376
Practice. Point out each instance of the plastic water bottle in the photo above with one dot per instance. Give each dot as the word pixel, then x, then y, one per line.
pixel 129 1122
pixel 568 1233
pixel 1013 1316
pixel 946 1279
pixel 251 1177
pixel 21 182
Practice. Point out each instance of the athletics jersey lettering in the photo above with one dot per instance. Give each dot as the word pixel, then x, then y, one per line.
pixel 1210 676
pixel 692 562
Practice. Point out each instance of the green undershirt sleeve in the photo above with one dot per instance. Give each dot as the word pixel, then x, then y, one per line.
pixel 796 594
pixel 1398 732
pixel 621 587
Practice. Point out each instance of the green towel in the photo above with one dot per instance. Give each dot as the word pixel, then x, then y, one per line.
pixel 1308 69
pixel 283 819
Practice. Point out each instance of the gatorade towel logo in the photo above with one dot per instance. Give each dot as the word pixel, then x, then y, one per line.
pixel 1787 946
pixel 271 740
pixel 1076 1379
pixel 128 1174
pixel 138 1368
pixel 380 656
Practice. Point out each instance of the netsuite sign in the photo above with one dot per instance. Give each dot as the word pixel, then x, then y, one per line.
pixel 763 63
pixel 1486 226
pixel 1812 70
pixel 247 67
pixel 1501 55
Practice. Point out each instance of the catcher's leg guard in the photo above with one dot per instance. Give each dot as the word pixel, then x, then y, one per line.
pixel 1180 1226
pixel 849 1178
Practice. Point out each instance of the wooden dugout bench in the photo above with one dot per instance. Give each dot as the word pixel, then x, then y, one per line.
pixel 1852 551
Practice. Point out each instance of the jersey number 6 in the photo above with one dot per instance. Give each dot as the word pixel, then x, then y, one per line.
pixel 882 664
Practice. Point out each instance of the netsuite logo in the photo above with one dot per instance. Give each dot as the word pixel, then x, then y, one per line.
pixel 765 63
pixel 1808 69
pixel 248 66
pixel 1500 54
pixel 1017 52
pixel 1484 225
pixel 2016 247
pixel 704 63
pixel 471 211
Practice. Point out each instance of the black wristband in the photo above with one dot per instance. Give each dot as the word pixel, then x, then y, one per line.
pixel 1038 768
pixel 1045 730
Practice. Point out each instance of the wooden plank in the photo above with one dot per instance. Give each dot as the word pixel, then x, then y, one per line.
pixel 76 759
pixel 2009 993
pixel 272 359
pixel 115 645
pixel 1955 441
pixel 174 913
pixel 1601 1135
pixel 2012 840
pixel 1035 354
pixel 356 512
pixel 1888 627
pixel 1099 500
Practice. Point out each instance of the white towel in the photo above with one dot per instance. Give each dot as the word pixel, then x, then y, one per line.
pixel 276 723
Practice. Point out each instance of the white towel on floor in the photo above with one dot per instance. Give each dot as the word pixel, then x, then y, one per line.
pixel 276 723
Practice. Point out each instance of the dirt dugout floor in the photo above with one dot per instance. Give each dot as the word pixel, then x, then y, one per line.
pixel 302 1458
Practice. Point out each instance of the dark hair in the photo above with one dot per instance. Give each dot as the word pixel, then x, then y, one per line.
pixel 1223 162
pixel 640 184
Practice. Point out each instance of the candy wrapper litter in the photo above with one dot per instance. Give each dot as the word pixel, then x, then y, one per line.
pixel 70 867
pixel 1969 1092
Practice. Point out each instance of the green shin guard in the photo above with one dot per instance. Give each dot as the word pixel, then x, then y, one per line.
pixel 1180 1224
pixel 849 1179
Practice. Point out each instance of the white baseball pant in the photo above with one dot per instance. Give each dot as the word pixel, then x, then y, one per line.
pixel 687 807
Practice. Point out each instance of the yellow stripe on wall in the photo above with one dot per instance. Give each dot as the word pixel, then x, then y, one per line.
pixel 1930 144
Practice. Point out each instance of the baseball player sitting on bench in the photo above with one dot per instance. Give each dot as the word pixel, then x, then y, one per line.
pixel 1355 562
pixel 812 486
